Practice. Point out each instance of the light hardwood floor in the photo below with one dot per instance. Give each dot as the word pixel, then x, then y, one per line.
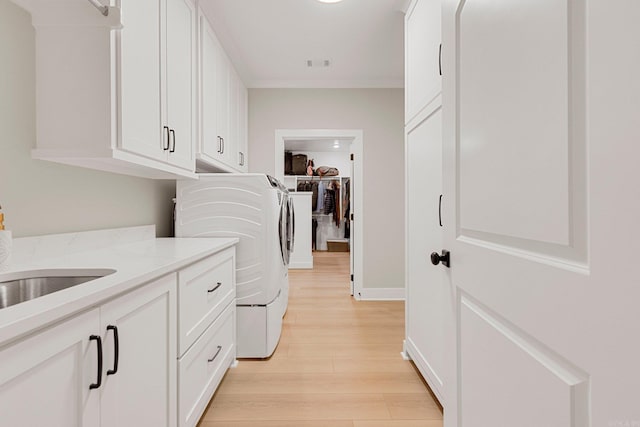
pixel 337 364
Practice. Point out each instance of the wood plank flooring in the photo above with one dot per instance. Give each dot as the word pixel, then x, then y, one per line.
pixel 337 364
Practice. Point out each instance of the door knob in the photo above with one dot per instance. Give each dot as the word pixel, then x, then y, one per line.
pixel 437 258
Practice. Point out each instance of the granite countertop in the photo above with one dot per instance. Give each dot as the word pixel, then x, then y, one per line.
pixel 135 263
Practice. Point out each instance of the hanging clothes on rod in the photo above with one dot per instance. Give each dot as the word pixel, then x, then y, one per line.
pixel 328 208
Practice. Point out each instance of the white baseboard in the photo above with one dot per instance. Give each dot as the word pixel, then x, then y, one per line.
pixel 380 294
pixel 306 265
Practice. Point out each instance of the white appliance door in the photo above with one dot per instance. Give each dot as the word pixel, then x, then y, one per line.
pixel 291 217
pixel 282 228
pixel 541 189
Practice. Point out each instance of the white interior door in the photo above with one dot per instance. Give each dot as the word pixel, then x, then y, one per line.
pixel 351 229
pixel 427 292
pixel 541 149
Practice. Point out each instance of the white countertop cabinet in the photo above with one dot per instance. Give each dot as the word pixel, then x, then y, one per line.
pixel 168 308
pixel 145 378
pixel 56 368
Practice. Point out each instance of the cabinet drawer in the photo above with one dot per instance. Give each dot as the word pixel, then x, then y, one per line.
pixel 202 367
pixel 204 290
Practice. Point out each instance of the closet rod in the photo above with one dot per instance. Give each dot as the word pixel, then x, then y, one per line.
pixel 102 8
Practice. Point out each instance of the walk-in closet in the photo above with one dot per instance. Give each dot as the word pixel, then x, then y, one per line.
pixel 321 171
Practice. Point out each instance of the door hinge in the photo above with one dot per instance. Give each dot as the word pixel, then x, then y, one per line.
pixel 351 217
pixel 352 277
pixel 351 157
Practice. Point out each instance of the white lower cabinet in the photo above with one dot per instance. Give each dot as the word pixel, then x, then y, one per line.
pixel 207 331
pixel 139 347
pixel 45 378
pixel 71 374
pixel 116 365
pixel 202 367
pixel 205 289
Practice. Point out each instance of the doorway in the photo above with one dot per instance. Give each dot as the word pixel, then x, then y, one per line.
pixel 354 138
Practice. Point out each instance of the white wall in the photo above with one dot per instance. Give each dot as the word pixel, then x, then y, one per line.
pixel 39 197
pixel 380 114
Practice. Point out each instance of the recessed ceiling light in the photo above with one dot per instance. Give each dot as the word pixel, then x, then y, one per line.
pixel 329 1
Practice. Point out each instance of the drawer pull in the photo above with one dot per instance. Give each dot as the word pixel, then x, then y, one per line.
pixel 215 288
pixel 215 355
pixel 99 342
pixel 116 349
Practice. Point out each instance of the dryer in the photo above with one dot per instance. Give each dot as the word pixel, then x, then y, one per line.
pixel 255 208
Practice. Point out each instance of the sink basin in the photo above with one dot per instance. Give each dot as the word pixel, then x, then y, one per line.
pixel 24 286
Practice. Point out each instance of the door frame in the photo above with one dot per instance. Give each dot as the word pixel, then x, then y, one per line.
pixel 357 229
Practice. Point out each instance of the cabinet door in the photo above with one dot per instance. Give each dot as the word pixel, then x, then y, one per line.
pixel 231 149
pixel 142 391
pixel 427 300
pixel 243 142
pixel 140 85
pixel 180 68
pixel 45 379
pixel 222 92
pixel 423 35
pixel 210 144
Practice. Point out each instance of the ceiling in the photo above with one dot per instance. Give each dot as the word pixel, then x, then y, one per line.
pixel 270 41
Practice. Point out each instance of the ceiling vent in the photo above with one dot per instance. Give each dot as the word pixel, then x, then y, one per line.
pixel 318 63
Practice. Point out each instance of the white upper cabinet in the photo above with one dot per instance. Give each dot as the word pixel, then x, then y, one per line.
pixel 210 145
pixel 140 79
pixel 422 50
pixel 116 92
pixel 181 79
pixel 157 80
pixel 243 131
pixel 223 112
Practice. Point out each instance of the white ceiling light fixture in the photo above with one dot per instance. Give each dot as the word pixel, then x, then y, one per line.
pixel 329 1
